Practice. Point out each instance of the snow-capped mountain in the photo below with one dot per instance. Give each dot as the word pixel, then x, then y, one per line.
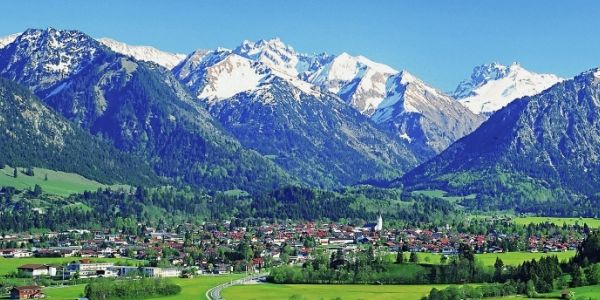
pixel 8 39
pixel 140 107
pixel 41 58
pixel 424 117
pixel 428 118
pixel 356 79
pixel 144 53
pixel 493 86
pixel 222 73
pixel 283 58
pixel 257 93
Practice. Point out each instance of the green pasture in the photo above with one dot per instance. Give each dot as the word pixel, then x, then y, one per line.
pixel 57 183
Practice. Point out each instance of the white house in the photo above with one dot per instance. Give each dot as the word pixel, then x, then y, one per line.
pixel 37 270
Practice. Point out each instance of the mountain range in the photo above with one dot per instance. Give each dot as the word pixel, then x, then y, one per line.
pixel 139 107
pixel 262 115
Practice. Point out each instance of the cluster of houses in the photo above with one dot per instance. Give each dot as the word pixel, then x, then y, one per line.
pixel 270 244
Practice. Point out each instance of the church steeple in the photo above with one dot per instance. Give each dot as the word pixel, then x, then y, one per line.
pixel 379 225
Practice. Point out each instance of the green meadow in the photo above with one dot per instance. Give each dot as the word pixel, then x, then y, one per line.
pixel 57 183
pixel 488 259
pixel 69 292
pixel 193 288
pixel 592 222
pixel 591 292
pixel 327 291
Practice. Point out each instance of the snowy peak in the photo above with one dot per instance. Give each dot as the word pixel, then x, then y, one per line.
pixel 356 79
pixel 493 86
pixel 230 76
pixel 222 73
pixel 405 93
pixel 144 53
pixel 44 57
pixel 480 76
pixel 4 41
pixel 273 53
pixel 345 68
pixel 197 61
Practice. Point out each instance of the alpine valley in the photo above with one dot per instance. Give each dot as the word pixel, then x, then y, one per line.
pixel 313 175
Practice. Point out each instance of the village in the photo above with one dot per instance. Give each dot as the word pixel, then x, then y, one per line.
pixel 218 248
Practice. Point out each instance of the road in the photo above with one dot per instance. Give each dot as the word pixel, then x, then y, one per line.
pixel 215 292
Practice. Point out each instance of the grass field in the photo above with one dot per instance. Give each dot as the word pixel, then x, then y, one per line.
pixel 8 265
pixel 516 258
pixel 65 293
pixel 593 223
pixel 488 259
pixel 58 183
pixel 327 292
pixel 194 288
pixel 585 292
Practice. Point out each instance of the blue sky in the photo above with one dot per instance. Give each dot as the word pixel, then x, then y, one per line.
pixel 439 41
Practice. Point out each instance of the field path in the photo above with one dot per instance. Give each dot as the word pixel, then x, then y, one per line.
pixel 215 292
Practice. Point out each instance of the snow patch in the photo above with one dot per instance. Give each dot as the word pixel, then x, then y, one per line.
pixel 144 53
pixel 5 41
pixel 229 77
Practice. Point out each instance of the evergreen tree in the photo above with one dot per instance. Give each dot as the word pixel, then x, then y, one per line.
pixel 37 190
pixel 15 173
pixel 399 256
pixel 498 266
pixel 413 257
pixel 29 171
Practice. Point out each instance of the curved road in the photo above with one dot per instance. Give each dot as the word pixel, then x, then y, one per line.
pixel 215 292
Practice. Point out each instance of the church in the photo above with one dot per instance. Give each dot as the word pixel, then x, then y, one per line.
pixel 375 226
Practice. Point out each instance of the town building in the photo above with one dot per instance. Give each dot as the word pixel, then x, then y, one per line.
pixel 37 270
pixel 85 268
pixel 27 292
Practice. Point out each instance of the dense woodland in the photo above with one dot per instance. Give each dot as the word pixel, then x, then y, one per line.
pixel 34 136
pixel 172 206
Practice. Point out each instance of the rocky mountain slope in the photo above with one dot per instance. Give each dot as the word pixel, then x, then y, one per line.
pixel 538 147
pixel 427 118
pixel 35 136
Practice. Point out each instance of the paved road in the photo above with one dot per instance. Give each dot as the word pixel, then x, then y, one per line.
pixel 215 292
